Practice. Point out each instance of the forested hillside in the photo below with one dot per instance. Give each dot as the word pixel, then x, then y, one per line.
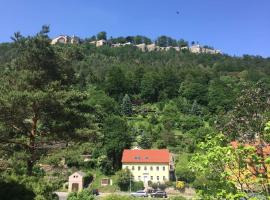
pixel 67 100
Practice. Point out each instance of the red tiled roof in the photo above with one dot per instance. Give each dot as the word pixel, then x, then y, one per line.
pixel 265 146
pixel 146 156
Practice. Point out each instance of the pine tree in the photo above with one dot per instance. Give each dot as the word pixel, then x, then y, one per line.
pixel 126 106
pixel 37 104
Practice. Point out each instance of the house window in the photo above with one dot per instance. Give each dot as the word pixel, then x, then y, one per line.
pixel 163 168
pixel 151 168
pixel 157 168
pixel 158 178
pixel 139 168
pixel 151 178
pixel 132 167
pixel 139 177
pixel 164 178
pixel 137 157
pixel 145 168
pixel 126 167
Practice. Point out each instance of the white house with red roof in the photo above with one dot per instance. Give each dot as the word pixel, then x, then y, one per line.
pixel 148 164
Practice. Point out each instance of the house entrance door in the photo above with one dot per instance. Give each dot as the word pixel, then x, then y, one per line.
pixel 145 181
pixel 75 187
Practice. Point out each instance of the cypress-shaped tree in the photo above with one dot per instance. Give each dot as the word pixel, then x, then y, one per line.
pixel 126 106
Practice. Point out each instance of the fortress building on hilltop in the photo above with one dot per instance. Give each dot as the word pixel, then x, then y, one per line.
pixel 64 39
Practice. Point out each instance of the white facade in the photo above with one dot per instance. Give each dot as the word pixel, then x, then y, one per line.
pixel 100 43
pixel 64 39
pixel 75 182
pixel 154 172
pixel 141 46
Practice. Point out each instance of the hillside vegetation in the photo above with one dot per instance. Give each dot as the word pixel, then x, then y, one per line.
pixel 64 101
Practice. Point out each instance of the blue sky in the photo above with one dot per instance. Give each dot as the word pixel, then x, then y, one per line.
pixel 235 26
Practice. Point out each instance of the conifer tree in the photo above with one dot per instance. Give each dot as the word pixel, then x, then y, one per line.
pixel 126 106
pixel 37 104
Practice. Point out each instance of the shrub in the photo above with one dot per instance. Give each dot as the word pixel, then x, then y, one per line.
pixel 137 186
pixel 169 184
pixel 150 183
pixel 87 179
pixel 118 197
pixel 162 186
pixel 154 186
pixel 91 164
pixel 123 179
pixel 178 198
pixel 105 165
pixel 14 190
pixel 180 185
pixel 182 170
pixel 83 195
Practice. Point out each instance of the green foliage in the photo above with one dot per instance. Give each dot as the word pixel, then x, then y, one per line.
pixel 162 186
pixel 40 103
pixel 224 171
pixel 182 170
pixel 194 91
pixel 211 164
pixel 124 179
pixel 102 35
pixel 119 197
pixel 126 106
pixel 116 82
pixel 138 185
pixel 116 139
pixel 222 93
pixel 247 120
pixel 145 141
pixel 83 195
pixel 178 198
pixel 71 98
pixel 154 186
pixel 105 165
pixel 150 86
pixel 87 179
pixel 13 190
pixel 26 187
pixel 165 41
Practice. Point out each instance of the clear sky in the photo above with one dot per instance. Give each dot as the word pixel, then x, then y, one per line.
pixel 234 26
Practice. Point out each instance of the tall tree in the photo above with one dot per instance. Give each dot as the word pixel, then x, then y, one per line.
pixel 126 106
pixel 222 93
pixel 37 105
pixel 116 83
pixel 102 35
pixel 116 139
pixel 165 41
pixel 150 86
pixel 248 118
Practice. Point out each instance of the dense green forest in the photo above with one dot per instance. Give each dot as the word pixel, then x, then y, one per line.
pixel 67 100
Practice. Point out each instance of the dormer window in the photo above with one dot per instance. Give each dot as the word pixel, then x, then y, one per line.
pixel 137 157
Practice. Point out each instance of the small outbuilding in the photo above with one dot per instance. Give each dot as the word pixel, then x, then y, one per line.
pixel 105 182
pixel 75 181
